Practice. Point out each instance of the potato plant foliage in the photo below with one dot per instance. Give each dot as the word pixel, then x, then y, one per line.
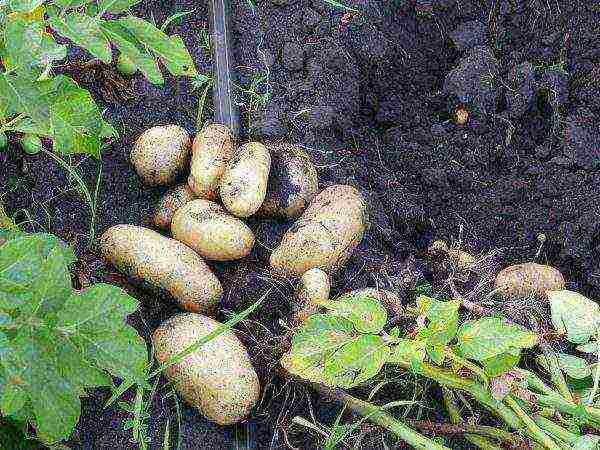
pixel 56 342
pixel 36 103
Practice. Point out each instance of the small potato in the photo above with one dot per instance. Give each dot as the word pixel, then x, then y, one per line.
pixel 244 183
pixel 528 280
pixel 213 233
pixel 293 182
pixel 390 301
pixel 161 154
pixel 211 151
pixel 325 235
pixel 163 263
pixel 463 260
pixel 218 378
pixel 313 289
pixel 168 205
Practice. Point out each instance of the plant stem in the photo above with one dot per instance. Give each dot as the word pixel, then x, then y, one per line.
pixel 535 431
pixel 555 373
pixel 556 430
pixel 378 416
pixel 564 406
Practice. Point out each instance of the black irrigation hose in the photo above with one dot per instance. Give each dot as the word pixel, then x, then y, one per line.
pixel 226 111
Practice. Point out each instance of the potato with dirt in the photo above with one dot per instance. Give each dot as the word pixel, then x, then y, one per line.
pixel 161 154
pixel 313 289
pixel 168 205
pixel 211 151
pixel 244 184
pixel 218 379
pixel 293 182
pixel 211 231
pixel 162 263
pixel 528 280
pixel 325 235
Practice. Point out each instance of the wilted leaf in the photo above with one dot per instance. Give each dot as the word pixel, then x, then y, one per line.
pixel 575 315
pixel 356 361
pixel 84 31
pixel 573 366
pixel 366 313
pixel 490 336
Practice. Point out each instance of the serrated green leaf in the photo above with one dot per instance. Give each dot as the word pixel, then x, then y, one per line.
pixel 13 399
pixel 357 361
pixel 575 315
pixel 408 351
pixel 577 368
pixel 171 51
pixel 24 6
pixel 367 314
pixel 490 336
pixel 84 31
pixel 502 363
pixel 116 6
pixel 128 44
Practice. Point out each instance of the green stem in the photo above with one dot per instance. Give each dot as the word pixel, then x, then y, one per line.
pixel 555 373
pixel 535 431
pixel 556 430
pixel 564 406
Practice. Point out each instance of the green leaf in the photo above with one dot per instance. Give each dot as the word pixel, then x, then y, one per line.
pixel 500 364
pixel 21 95
pixel 116 6
pixel 490 336
pixel 436 353
pixel 366 313
pixel 443 319
pixel 573 366
pixel 85 32
pixel 171 51
pixel 590 347
pixel 408 351
pixel 575 315
pixel 24 6
pixel 6 321
pixel 357 361
pixel 71 3
pixel 13 399
pixel 587 442
pixel 128 44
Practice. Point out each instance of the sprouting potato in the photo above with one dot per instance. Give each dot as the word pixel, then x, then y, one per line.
pixel 218 379
pixel 244 183
pixel 313 289
pixel 161 154
pixel 212 232
pixel 162 263
pixel 528 280
pixel 325 235
pixel 168 205
pixel 211 151
pixel 293 182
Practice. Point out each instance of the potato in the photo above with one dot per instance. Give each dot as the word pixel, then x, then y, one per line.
pixel 161 154
pixel 463 260
pixel 211 151
pixel 244 183
pixel 390 301
pixel 313 289
pixel 293 182
pixel 325 235
pixel 212 232
pixel 168 205
pixel 163 263
pixel 528 280
pixel 218 378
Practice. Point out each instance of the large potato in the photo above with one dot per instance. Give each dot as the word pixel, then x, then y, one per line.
pixel 313 289
pixel 163 263
pixel 211 151
pixel 528 280
pixel 213 233
pixel 244 183
pixel 218 378
pixel 161 154
pixel 168 205
pixel 325 235
pixel 293 182
pixel 389 300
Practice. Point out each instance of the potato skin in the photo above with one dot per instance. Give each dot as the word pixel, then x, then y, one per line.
pixel 244 183
pixel 211 151
pixel 168 205
pixel 325 235
pixel 218 379
pixel 313 288
pixel 528 279
pixel 161 154
pixel 162 263
pixel 389 300
pixel 293 182
pixel 214 234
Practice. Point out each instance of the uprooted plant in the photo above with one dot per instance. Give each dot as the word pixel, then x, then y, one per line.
pixel 350 344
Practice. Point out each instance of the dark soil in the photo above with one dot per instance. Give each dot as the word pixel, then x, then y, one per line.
pixel 372 97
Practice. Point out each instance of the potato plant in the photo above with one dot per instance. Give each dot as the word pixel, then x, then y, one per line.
pixel 351 343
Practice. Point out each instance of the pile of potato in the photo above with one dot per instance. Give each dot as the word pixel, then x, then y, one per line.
pixel 205 217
